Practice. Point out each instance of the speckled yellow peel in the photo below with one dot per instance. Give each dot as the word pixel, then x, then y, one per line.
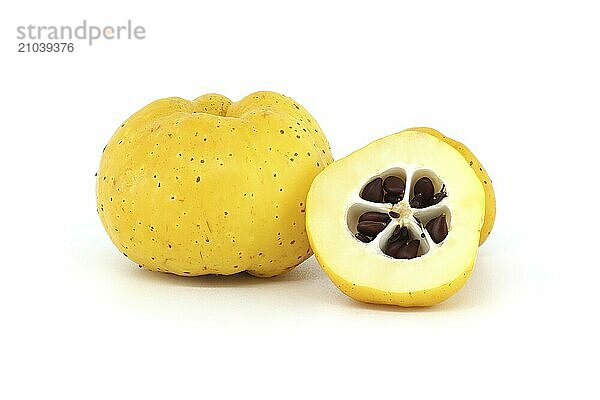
pixel 486 181
pixel 362 270
pixel 419 298
pixel 212 187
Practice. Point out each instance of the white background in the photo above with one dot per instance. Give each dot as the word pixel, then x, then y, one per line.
pixel 517 81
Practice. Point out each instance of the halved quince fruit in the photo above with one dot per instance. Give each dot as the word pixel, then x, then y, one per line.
pixel 398 221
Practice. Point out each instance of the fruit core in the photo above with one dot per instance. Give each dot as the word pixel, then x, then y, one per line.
pixel 402 211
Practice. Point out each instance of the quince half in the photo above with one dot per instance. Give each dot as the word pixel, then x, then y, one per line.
pixel 398 221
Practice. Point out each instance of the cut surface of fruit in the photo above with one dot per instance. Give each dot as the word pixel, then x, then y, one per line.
pixel 398 221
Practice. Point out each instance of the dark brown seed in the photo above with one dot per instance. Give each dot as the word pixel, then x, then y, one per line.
pixel 363 238
pixel 393 248
pixel 425 187
pixel 391 198
pixel 373 191
pixel 417 201
pixel 394 185
pixel 370 228
pixel 374 216
pixel 395 235
pixel 400 234
pixel 409 250
pixel 437 228
pixel 394 214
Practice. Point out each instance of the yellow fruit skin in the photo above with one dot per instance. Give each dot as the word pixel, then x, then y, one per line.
pixel 486 181
pixel 212 187
pixel 421 298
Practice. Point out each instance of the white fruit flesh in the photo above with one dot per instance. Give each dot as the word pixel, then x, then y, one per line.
pixel 334 205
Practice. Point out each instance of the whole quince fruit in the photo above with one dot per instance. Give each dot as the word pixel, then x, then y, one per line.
pixel 210 186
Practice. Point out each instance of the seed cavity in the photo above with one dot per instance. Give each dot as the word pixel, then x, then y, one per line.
pixel 407 239
pixel 423 193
